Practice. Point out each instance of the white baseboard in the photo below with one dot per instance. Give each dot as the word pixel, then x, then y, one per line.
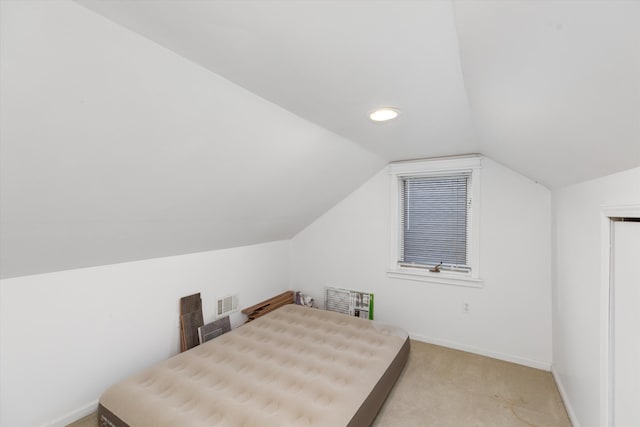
pixel 74 415
pixel 545 366
pixel 565 399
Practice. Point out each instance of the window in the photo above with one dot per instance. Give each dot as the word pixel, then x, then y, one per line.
pixel 434 220
pixel 435 214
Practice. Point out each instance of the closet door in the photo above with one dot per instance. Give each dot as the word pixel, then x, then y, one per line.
pixel 626 323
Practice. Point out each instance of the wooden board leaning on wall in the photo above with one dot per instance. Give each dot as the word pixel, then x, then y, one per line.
pixel 190 320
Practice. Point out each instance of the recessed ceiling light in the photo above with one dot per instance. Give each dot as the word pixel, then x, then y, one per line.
pixel 383 114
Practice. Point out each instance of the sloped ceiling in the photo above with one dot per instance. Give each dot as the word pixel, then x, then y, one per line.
pixel 549 88
pixel 554 86
pixel 114 148
pixel 331 62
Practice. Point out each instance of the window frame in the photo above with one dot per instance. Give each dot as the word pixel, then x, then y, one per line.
pixel 433 167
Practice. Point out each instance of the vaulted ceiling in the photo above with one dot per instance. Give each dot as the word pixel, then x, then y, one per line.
pixel 330 62
pixel 549 88
pixel 180 126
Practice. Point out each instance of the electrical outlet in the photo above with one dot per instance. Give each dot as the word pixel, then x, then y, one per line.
pixel 466 307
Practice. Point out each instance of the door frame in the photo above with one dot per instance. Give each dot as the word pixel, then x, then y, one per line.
pixel 609 213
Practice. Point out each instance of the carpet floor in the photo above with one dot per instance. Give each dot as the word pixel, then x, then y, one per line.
pixel 441 387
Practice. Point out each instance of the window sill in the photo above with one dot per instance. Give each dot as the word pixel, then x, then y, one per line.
pixel 440 278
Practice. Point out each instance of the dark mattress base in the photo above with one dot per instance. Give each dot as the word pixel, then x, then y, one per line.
pixel 362 418
pixel 372 404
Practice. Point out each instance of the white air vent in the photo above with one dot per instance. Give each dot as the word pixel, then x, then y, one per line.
pixel 347 301
pixel 227 305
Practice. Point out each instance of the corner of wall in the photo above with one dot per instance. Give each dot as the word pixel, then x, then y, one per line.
pixel 565 398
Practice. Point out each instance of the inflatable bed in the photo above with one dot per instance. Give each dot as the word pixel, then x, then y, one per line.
pixel 296 366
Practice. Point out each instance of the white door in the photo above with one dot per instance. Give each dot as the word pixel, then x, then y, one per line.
pixel 626 323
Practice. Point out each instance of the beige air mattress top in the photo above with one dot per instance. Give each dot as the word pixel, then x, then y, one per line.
pixel 296 366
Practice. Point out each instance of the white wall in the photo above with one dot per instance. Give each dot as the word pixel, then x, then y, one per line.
pixel 510 317
pixel 576 291
pixel 66 336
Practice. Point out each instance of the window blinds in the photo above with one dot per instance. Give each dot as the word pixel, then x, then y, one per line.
pixel 435 221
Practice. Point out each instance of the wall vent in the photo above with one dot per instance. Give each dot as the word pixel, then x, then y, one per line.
pixel 226 305
pixel 348 301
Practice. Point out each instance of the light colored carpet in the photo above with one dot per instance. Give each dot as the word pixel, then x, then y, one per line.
pixel 444 387
pixel 441 387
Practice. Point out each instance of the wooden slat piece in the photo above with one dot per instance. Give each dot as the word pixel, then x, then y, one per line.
pixel 268 305
pixel 190 303
pixel 214 329
pixel 190 320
